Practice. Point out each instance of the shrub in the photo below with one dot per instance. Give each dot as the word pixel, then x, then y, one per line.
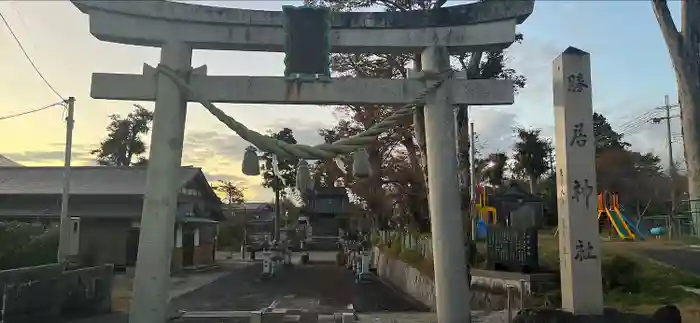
pixel 395 246
pixel 622 274
pixel 230 236
pixel 27 244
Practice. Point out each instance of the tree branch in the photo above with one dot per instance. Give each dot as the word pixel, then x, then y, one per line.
pixel 671 34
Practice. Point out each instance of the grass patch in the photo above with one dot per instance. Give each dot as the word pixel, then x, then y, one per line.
pixel 690 240
pixel 632 281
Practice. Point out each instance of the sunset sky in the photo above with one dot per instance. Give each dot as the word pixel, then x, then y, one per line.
pixel 631 75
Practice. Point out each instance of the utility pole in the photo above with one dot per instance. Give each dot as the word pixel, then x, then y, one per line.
pixel 458 146
pixel 472 178
pixel 671 165
pixel 276 232
pixel 65 227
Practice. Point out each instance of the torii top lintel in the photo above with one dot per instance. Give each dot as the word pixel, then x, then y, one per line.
pixel 488 25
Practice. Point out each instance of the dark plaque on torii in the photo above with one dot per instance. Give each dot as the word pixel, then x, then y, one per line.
pixel 307 45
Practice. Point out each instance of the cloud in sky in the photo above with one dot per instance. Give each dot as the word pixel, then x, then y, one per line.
pixel 222 152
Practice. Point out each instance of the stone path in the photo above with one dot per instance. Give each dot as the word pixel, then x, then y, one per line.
pixel 321 287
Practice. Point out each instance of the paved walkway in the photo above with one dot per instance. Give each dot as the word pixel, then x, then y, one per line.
pixel 321 287
pixel 683 259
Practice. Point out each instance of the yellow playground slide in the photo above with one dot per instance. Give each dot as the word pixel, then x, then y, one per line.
pixel 620 225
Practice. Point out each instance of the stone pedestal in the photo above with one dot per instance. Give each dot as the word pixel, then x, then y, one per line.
pixel 579 243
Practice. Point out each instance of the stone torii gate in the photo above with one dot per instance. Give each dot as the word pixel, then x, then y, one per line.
pixel 180 28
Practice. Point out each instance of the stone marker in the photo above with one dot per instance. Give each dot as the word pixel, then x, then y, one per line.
pixel 579 243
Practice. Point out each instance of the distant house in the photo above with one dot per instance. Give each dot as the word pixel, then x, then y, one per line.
pixel 108 201
pixel 256 217
pixel 250 210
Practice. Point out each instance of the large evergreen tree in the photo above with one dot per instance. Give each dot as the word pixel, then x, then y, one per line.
pixel 606 137
pixel 287 168
pixel 124 145
pixel 531 156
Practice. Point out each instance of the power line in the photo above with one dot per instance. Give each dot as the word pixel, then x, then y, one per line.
pixel 629 127
pixel 21 47
pixel 31 111
pixel 637 122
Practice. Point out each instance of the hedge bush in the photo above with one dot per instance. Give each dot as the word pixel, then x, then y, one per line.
pixel 27 244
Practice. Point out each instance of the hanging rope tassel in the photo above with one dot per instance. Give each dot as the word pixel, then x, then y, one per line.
pixel 251 162
pixel 303 177
pixel 361 167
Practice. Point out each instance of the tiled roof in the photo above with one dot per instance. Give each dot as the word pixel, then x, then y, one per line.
pixel 6 162
pixel 250 206
pixel 85 180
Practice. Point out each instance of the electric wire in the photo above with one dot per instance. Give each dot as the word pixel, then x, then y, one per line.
pixel 631 127
pixel 31 111
pixel 26 55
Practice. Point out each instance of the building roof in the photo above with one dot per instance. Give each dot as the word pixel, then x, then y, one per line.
pixel 250 207
pixel 6 162
pixel 85 180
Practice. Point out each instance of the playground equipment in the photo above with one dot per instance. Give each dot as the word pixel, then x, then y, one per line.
pixel 609 208
pixel 685 220
pixel 511 206
pixel 484 212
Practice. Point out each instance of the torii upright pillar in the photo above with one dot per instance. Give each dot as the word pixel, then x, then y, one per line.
pixel 579 243
pixel 156 239
pixel 444 197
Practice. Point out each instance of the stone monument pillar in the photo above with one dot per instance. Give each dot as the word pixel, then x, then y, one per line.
pixel 579 242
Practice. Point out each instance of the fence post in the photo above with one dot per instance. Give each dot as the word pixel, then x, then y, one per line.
pixel 509 309
pixel 522 294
